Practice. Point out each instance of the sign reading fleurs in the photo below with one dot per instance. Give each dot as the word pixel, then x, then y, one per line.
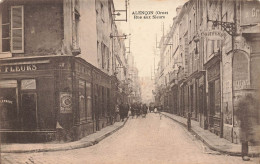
pixel 18 68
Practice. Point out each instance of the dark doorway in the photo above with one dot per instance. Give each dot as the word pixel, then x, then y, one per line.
pixel 211 103
pixel 8 108
pixel 29 111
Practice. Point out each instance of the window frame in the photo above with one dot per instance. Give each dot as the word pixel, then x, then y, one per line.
pixel 11 28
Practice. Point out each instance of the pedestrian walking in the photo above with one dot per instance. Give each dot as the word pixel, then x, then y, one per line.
pixel 133 110
pixel 117 113
pixel 121 112
pixel 144 110
pixel 248 116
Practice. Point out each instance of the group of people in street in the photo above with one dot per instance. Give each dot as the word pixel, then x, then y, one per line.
pixel 124 110
pixel 247 114
pixel 138 109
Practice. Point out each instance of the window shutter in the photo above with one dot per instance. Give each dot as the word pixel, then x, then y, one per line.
pixel 17 31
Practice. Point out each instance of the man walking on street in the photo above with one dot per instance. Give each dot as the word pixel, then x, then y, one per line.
pixel 121 111
pixel 247 114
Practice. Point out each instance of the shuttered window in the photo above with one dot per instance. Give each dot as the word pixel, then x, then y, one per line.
pixel 5 30
pixel 17 29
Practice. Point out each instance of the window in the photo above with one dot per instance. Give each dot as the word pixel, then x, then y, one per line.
pixel 76 20
pixel 5 33
pixel 194 23
pixel 17 35
pixel 102 12
pixel 201 11
pixel 108 102
pixel 218 44
pixel 212 46
pixel 190 28
pixel 12 29
pixel 82 99
pixel 103 100
pixel 103 54
pixel 89 99
pixel 108 60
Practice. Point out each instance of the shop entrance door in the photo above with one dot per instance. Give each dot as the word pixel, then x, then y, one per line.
pixel 8 108
pixel 211 104
pixel 201 106
pixel 29 111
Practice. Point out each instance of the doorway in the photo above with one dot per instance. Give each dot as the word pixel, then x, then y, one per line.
pixel 29 111
pixel 8 108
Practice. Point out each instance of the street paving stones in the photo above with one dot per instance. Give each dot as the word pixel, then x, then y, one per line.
pixel 148 140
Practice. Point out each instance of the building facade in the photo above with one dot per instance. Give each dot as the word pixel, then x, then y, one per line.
pixel 217 62
pixel 57 73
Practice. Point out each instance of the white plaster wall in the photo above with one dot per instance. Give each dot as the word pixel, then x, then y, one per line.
pixel 88 31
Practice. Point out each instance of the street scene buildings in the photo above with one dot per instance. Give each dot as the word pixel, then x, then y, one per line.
pixel 74 86
pixel 58 72
pixel 209 59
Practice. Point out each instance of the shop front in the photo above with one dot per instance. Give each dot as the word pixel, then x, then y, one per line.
pixel 214 95
pixel 28 88
pixel 52 97
pixel 201 99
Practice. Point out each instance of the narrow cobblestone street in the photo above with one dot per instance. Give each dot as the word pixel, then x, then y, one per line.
pixel 142 140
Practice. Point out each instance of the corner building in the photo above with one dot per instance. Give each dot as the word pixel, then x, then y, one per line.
pixel 52 76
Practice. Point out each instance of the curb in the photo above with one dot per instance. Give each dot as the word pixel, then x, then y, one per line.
pixel 108 134
pixel 210 146
pixel 71 147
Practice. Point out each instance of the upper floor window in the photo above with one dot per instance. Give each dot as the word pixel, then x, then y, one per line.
pixel 102 12
pixel 13 29
pixel 76 21
pixel 190 29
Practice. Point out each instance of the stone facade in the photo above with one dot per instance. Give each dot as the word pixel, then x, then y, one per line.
pixel 218 63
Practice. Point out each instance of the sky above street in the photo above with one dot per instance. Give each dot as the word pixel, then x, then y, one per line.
pixel 143 31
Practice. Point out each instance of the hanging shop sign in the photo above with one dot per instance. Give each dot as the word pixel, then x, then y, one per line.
pixel 65 102
pixel 250 12
pixel 214 34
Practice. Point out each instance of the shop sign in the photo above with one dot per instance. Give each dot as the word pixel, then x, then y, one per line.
pixel 65 102
pixel 18 68
pixel 241 84
pixel 250 12
pixel 28 84
pixel 240 71
pixel 4 101
pixel 214 34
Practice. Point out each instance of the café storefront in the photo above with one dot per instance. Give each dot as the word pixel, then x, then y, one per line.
pixel 41 95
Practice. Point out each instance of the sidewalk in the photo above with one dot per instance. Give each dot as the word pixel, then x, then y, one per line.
pixel 87 141
pixel 213 141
